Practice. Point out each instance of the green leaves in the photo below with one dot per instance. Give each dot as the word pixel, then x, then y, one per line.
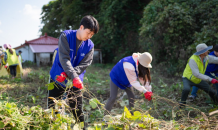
pixel 94 102
pixel 2 125
pixel 50 85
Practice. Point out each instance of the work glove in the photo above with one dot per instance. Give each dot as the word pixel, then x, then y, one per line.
pixel 148 95
pixel 62 77
pixel 214 81
pixel 77 83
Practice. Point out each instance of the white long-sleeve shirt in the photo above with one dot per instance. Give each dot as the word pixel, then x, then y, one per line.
pixel 132 77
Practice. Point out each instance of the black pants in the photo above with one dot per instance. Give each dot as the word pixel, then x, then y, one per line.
pixel 202 85
pixel 13 69
pixel 74 97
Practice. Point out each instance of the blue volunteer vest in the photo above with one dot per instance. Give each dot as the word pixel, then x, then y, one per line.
pixel 212 68
pixel 85 47
pixel 118 75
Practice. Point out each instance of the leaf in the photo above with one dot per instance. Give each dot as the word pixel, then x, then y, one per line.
pixel 97 127
pixel 142 126
pixel 124 103
pixel 127 113
pixel 50 85
pixel 34 99
pixel 110 128
pixel 88 108
pixel 2 125
pixel 137 115
pixel 93 102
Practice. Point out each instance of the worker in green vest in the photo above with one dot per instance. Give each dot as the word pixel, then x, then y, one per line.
pixel 193 74
pixel 12 60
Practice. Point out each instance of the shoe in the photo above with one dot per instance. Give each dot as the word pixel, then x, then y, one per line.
pixel 192 98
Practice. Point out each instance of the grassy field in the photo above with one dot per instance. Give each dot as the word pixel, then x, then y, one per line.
pixel 163 111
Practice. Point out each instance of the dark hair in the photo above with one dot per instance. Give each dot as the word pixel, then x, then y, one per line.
pixel 91 23
pixel 20 51
pixel 216 48
pixel 10 50
pixel 144 73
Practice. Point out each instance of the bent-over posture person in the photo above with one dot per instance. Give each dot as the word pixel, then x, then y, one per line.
pixel 193 74
pixel 124 75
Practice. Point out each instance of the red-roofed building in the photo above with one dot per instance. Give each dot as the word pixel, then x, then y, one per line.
pixel 38 50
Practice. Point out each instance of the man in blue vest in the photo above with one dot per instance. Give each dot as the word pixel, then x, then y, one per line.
pixel 193 74
pixel 211 68
pixel 73 55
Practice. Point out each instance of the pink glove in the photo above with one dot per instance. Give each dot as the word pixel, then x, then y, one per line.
pixel 214 81
pixel 6 67
pixel 148 95
pixel 62 77
pixel 77 83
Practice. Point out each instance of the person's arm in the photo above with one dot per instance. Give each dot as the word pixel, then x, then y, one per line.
pixel 86 61
pixel 147 85
pixel 5 57
pixel 195 71
pixel 64 57
pixel 132 77
pixel 213 59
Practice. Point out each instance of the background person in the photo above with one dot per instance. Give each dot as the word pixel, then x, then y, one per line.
pixel 193 74
pixel 11 59
pixel 211 68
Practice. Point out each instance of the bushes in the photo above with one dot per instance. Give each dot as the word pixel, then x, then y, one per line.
pixel 171 29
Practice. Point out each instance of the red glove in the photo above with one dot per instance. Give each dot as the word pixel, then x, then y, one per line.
pixel 214 81
pixel 77 83
pixel 148 95
pixel 62 77
pixel 6 67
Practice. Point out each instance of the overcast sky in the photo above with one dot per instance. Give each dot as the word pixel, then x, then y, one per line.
pixel 20 20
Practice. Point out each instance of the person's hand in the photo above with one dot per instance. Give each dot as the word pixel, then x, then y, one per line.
pixel 214 81
pixel 148 95
pixel 62 77
pixel 77 83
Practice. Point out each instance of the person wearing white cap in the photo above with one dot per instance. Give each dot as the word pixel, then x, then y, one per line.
pixel 124 75
pixel 193 74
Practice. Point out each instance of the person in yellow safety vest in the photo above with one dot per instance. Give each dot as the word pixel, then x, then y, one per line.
pixel 193 74
pixel 12 59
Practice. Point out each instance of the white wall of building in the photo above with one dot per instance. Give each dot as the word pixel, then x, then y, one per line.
pixel 26 54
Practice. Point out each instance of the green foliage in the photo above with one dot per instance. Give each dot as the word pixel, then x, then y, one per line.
pixel 118 20
pixel 171 29
pixel 12 117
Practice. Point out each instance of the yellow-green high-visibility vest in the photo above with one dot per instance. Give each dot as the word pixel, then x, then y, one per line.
pixel 12 58
pixel 188 72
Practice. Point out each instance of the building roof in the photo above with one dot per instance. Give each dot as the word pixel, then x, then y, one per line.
pixel 42 40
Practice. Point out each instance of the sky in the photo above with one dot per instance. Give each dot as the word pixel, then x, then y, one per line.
pixel 20 21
